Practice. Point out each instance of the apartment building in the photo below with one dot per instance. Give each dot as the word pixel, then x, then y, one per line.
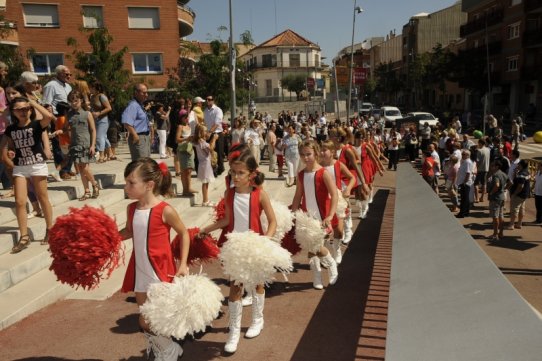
pixel 150 29
pixel 508 34
pixel 287 53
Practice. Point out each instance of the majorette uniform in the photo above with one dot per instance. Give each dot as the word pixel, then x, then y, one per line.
pixel 367 164
pixel 316 201
pixel 245 212
pixel 151 261
pixel 346 162
pixel 254 212
pixel 152 247
pixel 335 244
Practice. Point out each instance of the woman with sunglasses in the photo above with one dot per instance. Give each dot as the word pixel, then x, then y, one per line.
pixel 25 136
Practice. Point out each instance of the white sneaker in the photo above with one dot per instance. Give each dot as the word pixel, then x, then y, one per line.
pixel 56 177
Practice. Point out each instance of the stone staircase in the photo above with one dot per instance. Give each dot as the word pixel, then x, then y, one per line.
pixel 27 285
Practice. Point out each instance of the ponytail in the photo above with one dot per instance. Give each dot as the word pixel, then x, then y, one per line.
pixel 149 170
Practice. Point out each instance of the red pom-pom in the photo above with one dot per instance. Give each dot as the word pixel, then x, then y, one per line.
pixel 220 209
pixel 202 250
pixel 86 247
pixel 289 243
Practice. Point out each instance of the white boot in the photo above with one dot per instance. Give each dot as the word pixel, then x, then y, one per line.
pixel 258 302
pixel 338 253
pixel 364 209
pixel 236 311
pixel 164 348
pixel 247 300
pixel 331 265
pixel 316 272
pixel 347 228
pixel 371 196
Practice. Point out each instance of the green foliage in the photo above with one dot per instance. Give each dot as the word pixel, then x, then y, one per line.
pixel 387 82
pixel 13 58
pixel 294 83
pixel 246 38
pixel 105 66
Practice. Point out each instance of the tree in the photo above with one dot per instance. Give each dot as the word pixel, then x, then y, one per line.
pixel 294 83
pixel 246 38
pixel 10 54
pixel 387 81
pixel 105 66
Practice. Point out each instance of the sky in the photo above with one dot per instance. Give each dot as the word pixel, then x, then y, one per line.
pixel 327 23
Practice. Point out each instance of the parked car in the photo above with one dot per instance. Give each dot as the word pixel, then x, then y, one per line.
pixel 375 114
pixel 390 115
pixel 365 109
pixel 423 117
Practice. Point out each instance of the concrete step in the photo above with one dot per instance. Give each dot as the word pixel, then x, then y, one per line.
pixel 30 296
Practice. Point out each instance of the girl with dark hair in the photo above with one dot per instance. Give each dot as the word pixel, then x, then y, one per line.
pixel 24 135
pixel 149 223
pixel 244 205
pixel 204 152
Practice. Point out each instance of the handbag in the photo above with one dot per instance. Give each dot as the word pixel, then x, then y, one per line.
pixel 186 148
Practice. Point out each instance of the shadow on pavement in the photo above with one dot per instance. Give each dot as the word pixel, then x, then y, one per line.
pixel 51 358
pixel 512 243
pixel 127 325
pixel 335 329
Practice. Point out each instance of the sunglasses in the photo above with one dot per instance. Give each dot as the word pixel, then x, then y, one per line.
pixel 25 109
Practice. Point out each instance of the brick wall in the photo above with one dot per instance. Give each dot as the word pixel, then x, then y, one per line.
pixel 115 17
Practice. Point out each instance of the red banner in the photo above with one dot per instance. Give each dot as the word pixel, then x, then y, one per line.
pixel 360 75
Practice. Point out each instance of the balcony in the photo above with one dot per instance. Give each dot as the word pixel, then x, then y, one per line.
pixel 11 35
pixel 532 5
pixel 476 25
pixel 186 17
pixel 532 38
pixel 494 48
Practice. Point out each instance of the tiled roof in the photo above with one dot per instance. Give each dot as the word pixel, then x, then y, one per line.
pixel 287 38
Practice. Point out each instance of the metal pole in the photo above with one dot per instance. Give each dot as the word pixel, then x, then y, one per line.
pixel 486 98
pixel 232 67
pixel 351 64
pixel 337 91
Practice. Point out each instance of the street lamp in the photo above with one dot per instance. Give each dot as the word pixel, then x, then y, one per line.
pixel 232 67
pixel 357 10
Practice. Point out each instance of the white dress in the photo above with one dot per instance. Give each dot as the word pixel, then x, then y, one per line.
pixel 310 195
pixel 144 271
pixel 205 169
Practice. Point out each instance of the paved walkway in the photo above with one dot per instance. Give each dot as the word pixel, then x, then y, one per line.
pixel 344 322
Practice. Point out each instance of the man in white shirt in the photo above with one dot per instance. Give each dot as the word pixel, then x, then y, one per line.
pixel 464 182
pixel 58 88
pixel 213 120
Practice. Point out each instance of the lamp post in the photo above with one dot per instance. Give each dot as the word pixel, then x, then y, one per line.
pixel 357 10
pixel 232 68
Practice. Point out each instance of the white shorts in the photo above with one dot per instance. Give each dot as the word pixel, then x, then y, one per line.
pixel 32 170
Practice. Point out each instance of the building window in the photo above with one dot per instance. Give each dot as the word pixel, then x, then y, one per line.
pixel 268 87
pixel 147 63
pixel 143 18
pixel 512 63
pixel 295 60
pixel 43 64
pixel 513 30
pixel 269 61
pixel 40 16
pixel 92 17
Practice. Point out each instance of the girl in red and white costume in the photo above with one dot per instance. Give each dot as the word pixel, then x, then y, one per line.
pixel 246 199
pixel 338 172
pixel 346 154
pixel 316 194
pixel 370 165
pixel 149 222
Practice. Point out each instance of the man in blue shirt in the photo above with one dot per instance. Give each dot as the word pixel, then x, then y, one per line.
pixel 136 123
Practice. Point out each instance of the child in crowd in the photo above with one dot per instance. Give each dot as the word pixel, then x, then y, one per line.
pixel 83 142
pixel 205 169
pixel 149 222
pixel 316 194
pixel 338 172
pixel 246 199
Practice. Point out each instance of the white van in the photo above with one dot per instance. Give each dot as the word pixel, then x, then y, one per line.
pixel 390 115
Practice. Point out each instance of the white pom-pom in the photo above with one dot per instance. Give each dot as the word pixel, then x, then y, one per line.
pixel 342 205
pixel 284 217
pixel 308 232
pixel 252 259
pixel 181 308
